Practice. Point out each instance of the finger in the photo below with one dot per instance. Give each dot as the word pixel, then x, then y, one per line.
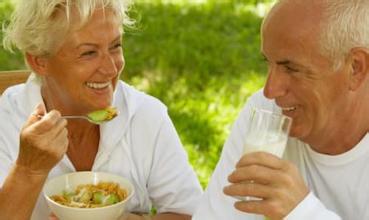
pixel 286 177
pixel 269 208
pixel 52 116
pixel 35 115
pixel 252 189
pixel 48 121
pixel 58 127
pixel 251 206
pixel 261 158
pixel 53 217
pixel 61 143
pixel 257 173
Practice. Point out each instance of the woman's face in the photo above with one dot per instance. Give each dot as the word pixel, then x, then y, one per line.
pixel 83 74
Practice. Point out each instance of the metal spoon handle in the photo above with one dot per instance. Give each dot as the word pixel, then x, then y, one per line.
pixel 75 117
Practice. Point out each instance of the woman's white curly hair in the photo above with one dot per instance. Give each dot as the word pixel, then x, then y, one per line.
pixel 38 27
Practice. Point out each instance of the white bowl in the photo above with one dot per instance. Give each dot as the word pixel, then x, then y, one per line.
pixel 70 181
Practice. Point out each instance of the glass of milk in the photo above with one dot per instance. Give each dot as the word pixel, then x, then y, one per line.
pixel 267 131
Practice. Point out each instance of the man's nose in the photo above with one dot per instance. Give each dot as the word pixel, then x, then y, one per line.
pixel 276 84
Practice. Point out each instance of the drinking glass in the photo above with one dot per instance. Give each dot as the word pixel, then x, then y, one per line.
pixel 267 131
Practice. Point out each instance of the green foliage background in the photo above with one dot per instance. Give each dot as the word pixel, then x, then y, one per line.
pixel 201 58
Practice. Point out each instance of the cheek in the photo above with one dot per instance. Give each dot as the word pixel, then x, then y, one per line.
pixel 119 63
pixel 314 114
pixel 306 115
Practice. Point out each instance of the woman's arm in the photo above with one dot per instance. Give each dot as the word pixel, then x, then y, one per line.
pixel 19 193
pixel 43 142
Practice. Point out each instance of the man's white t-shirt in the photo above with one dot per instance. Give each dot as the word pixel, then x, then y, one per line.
pixel 339 185
pixel 140 144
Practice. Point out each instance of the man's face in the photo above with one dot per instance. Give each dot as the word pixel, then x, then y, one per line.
pixel 301 80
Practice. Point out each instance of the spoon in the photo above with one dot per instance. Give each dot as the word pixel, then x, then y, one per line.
pixel 95 117
pixel 100 116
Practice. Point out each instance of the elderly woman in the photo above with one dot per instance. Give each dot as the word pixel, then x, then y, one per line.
pixel 74 48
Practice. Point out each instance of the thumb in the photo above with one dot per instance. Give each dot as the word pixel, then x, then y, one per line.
pixel 52 217
pixel 37 114
pixel 40 109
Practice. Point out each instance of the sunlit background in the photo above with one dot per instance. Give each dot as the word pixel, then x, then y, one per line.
pixel 200 57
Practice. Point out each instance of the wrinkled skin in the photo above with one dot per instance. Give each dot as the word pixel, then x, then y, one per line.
pixel 43 140
pixel 276 181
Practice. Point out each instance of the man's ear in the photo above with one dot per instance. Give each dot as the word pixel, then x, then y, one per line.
pixel 37 64
pixel 359 67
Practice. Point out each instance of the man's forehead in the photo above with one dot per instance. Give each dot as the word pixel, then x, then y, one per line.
pixel 297 16
pixel 298 8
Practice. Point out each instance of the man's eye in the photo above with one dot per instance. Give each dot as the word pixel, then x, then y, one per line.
pixel 88 53
pixel 290 70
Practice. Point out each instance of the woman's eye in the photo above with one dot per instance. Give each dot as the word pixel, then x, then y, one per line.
pixel 117 46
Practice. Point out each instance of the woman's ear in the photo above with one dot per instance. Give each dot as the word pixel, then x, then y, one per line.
pixel 359 67
pixel 37 64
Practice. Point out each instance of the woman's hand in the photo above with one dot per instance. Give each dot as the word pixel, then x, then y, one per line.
pixel 277 182
pixel 43 140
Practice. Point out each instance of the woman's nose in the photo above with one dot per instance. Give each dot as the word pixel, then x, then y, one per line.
pixel 108 65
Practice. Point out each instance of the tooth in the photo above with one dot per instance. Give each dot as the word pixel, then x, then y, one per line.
pixel 289 108
pixel 98 85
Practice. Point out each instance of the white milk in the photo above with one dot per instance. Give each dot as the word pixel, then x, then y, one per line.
pixel 269 143
pixel 276 148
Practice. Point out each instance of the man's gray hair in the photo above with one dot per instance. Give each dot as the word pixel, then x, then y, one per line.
pixel 346 26
pixel 38 27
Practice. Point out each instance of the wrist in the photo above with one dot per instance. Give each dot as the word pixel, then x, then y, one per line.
pixel 28 173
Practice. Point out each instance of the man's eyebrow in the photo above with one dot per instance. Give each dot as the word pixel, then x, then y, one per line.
pixel 294 65
pixel 284 62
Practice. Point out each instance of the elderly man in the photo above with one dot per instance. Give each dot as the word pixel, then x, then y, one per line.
pixel 318 58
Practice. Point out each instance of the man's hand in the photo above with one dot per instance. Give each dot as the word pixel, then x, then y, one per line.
pixel 277 182
pixel 43 141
